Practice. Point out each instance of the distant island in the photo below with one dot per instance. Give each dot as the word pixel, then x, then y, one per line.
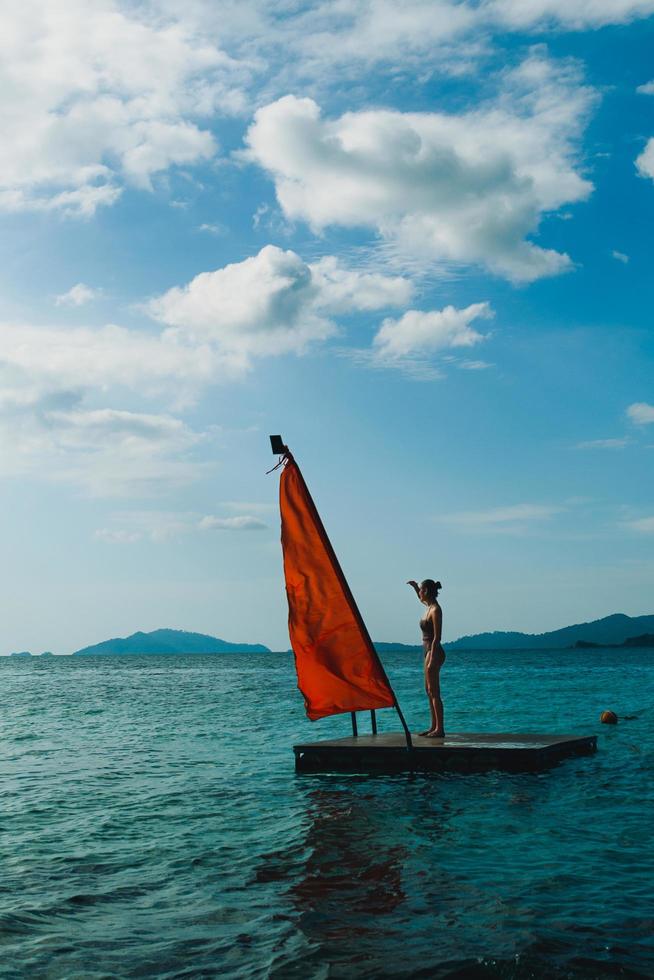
pixel 646 640
pixel 610 631
pixel 617 631
pixel 397 647
pixel 26 653
pixel 168 641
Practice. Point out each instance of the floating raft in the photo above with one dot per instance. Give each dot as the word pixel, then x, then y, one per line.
pixel 462 752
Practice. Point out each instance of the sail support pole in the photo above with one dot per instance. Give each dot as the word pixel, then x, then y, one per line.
pixel 407 733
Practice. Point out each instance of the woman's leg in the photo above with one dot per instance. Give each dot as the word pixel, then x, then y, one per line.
pixel 435 701
pixel 434 720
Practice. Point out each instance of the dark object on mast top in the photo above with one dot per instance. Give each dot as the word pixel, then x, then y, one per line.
pixel 277 445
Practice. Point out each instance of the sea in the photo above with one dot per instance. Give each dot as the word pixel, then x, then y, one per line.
pixel 152 825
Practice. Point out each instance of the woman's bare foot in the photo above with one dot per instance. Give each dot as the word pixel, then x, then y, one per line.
pixel 424 734
pixel 435 734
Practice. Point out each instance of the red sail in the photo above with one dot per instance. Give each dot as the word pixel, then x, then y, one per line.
pixel 337 666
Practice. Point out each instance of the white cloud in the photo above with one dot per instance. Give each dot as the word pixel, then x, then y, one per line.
pixel 530 14
pixel 116 536
pixel 620 257
pixel 34 360
pixel 100 94
pixel 263 305
pixel 373 31
pixel 306 43
pixel 103 452
pixel 643 524
pixel 157 526
pixel 96 95
pixel 604 443
pixel 213 229
pixel 343 290
pixel 242 522
pixel 422 333
pixel 81 202
pixel 91 427
pixel 129 526
pixel 474 365
pixel 514 518
pixel 49 430
pixel 461 189
pixel 641 413
pixel 51 378
pixel 645 160
pixel 78 295
pixel 328 40
pixel 271 303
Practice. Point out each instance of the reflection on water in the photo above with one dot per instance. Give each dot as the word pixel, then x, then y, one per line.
pixel 400 876
pixel 352 872
pixel 353 894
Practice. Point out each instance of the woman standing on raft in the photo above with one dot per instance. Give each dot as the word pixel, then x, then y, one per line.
pixel 431 627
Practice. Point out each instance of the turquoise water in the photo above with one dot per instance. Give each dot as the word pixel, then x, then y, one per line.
pixel 152 826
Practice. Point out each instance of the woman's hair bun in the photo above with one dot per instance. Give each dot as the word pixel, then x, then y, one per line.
pixel 438 585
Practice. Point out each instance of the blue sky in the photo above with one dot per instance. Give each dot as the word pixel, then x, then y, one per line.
pixel 414 239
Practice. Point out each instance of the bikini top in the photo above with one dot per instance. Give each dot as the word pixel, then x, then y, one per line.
pixel 427 627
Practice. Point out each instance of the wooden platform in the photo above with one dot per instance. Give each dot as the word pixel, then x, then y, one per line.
pixel 462 752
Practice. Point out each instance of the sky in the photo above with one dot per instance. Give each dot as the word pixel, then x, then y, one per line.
pixel 414 239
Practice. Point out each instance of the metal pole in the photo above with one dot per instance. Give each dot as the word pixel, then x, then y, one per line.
pixel 373 721
pixel 353 715
pixel 407 733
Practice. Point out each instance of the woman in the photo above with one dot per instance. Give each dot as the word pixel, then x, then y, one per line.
pixel 431 627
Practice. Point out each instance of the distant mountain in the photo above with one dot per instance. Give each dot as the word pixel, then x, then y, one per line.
pixel 399 647
pixel 610 631
pixel 168 641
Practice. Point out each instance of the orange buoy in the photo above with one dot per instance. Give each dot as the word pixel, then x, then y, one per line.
pixel 609 718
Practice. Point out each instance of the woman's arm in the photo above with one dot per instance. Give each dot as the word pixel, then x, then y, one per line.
pixel 436 616
pixel 414 586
